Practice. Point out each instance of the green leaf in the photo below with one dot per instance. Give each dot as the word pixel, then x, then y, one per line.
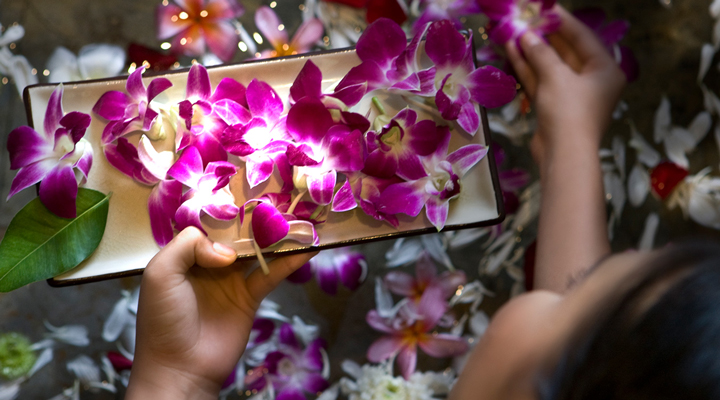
pixel 39 245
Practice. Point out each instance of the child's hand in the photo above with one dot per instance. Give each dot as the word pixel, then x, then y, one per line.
pixel 574 83
pixel 194 322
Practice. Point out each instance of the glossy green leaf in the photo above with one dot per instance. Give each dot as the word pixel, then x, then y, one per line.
pixel 39 245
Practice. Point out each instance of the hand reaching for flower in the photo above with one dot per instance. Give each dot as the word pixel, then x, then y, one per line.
pixel 574 83
pixel 194 321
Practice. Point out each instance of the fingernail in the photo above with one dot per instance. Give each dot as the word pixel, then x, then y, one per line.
pixel 224 250
pixel 530 38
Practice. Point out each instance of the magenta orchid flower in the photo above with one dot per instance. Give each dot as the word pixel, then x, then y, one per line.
pixel 209 189
pixel 308 83
pixel 323 148
pixel 291 371
pixel 273 29
pixel 611 33
pixel 438 10
pixel 412 327
pixel 197 23
pixel 388 61
pixel 426 276
pixel 434 191
pixel 329 266
pixel 275 218
pixel 205 111
pixel 459 85
pixel 52 157
pixel 131 111
pixel 257 133
pixel 510 19
pixel 395 149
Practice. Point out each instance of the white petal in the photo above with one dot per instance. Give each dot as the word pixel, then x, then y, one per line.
pixel 618 146
pixel 352 368
pixel 716 34
pixel 435 247
pixel 12 34
pixel 330 393
pixel 647 240
pixel 383 299
pixel 706 55
pixel 466 237
pixel 210 60
pixel 96 61
pixel 21 71
pixel 75 335
pixel 615 189
pixel 479 323
pixel 44 359
pixel 715 9
pixel 510 111
pixel 704 204
pixel 638 185
pixel 85 369
pixel 115 323
pixel 134 299
pixel 663 120
pixel 646 154
pixel 63 66
pixel 307 332
pixel 493 262
pixel 269 309
pixel 9 390
pixel 710 100
pixel 676 145
pixel 620 109
pixel 404 251
pixel 700 126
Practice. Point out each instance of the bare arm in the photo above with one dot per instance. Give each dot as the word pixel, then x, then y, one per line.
pixel 575 85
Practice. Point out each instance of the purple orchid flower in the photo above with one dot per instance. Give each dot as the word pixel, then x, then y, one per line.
pixel 611 33
pixel 291 371
pixel 308 83
pixel 323 148
pixel 257 133
pixel 195 23
pixel 426 276
pixel 412 328
pixel 132 111
pixel 304 39
pixel 388 61
pixel 330 265
pixel 395 149
pixel 510 19
pixel 204 113
pixel 209 189
pixel 363 190
pixel 441 184
pixel 438 10
pixel 275 219
pixel 459 85
pixel 51 158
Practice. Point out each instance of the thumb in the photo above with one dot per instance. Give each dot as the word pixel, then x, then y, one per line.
pixel 188 248
pixel 540 56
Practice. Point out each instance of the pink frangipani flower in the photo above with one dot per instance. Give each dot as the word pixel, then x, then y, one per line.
pixel 459 85
pixel 440 184
pixel 51 157
pixel 426 276
pixel 412 327
pixel 510 19
pixel 195 23
pixel 332 265
pixel 209 189
pixel 291 370
pixel 270 25
pixel 130 111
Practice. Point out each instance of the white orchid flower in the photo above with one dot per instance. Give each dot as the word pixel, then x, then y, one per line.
pixel 94 61
pixel 14 66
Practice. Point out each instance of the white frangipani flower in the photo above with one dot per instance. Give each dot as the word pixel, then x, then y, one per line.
pixel 699 199
pixel 376 382
pixel 88 373
pixel 408 250
pixel 94 61
pixel 679 141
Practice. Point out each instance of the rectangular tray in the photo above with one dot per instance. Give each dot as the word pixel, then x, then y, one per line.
pixel 128 244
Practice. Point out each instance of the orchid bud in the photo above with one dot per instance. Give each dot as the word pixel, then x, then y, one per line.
pixel 299 179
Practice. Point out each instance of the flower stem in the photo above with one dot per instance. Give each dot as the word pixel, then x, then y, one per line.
pixel 434 112
pixel 317 212
pixel 378 105
pixel 261 259
pixel 295 202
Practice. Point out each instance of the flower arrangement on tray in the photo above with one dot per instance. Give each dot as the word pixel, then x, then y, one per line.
pixel 330 156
